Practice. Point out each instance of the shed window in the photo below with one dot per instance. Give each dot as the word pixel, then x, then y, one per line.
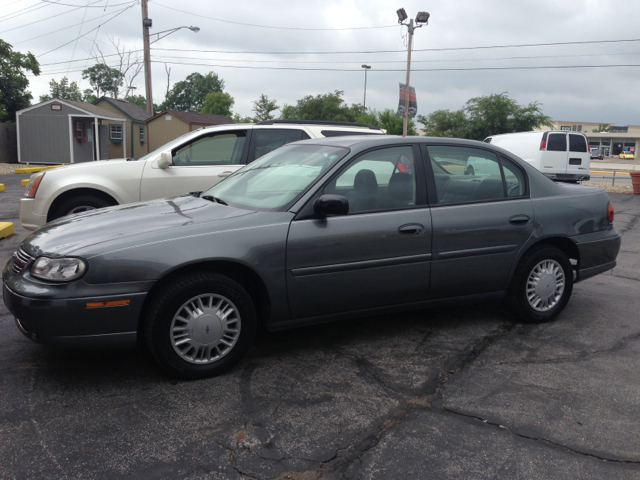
pixel 142 138
pixel 115 133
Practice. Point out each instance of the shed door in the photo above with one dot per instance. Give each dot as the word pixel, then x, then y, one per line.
pixel 104 139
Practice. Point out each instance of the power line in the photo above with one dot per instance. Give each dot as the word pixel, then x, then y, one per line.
pixel 79 31
pixel 15 14
pixel 271 27
pixel 83 6
pixel 56 31
pixel 44 19
pixel 247 67
pixel 159 57
pixel 86 33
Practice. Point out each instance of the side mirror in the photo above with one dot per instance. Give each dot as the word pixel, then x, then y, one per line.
pixel 165 160
pixel 331 205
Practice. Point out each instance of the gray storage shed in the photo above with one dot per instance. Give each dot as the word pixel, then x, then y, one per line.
pixel 64 131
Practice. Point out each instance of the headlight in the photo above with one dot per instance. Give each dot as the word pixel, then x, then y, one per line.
pixel 32 186
pixel 58 269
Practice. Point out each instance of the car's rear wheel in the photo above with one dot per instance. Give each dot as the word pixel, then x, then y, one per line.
pixel 542 285
pixel 200 325
pixel 79 204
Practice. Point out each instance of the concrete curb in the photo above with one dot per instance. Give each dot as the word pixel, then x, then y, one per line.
pixel 6 229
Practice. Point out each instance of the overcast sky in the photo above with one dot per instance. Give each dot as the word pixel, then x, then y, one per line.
pixel 448 68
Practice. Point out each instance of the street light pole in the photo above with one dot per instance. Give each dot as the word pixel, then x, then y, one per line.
pixel 146 23
pixel 405 122
pixel 366 67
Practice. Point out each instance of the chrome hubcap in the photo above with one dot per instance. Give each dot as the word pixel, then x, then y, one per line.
pixel 545 285
pixel 80 209
pixel 205 328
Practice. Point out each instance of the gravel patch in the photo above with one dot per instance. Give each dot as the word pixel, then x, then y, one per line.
pixel 626 189
pixel 9 168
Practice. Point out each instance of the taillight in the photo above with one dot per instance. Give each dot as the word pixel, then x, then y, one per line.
pixel 543 144
pixel 610 212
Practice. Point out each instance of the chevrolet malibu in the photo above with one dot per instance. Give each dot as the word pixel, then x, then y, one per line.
pixel 317 230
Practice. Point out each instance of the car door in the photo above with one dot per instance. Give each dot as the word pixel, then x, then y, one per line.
pixel 480 222
pixel 554 159
pixel 579 157
pixel 377 255
pixel 198 164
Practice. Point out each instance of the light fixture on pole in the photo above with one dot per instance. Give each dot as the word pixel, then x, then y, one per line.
pixel 421 19
pixel 146 24
pixel 366 67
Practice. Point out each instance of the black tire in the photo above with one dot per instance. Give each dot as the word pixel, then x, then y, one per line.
pixel 79 203
pixel 188 359
pixel 470 170
pixel 521 305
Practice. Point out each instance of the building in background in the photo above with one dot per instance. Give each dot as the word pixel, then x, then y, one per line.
pixel 170 124
pixel 64 131
pixel 612 143
pixel 134 131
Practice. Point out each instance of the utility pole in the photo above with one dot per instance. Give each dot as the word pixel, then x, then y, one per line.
pixel 405 123
pixel 366 67
pixel 146 23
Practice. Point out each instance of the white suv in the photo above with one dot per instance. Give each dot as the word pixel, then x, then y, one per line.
pixel 192 162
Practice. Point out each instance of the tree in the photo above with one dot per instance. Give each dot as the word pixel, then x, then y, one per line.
pixel 603 128
pixel 63 90
pixel 263 108
pixel 189 94
pixel 139 100
pixel 388 120
pixel 14 82
pixel 218 103
pixel 485 116
pixel 237 118
pixel 103 79
pixel 328 106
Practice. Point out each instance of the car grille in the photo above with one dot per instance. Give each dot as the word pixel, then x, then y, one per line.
pixel 20 260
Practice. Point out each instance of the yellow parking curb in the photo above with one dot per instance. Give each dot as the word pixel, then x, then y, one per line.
pixel 611 173
pixel 6 229
pixel 24 182
pixel 1 187
pixel 35 169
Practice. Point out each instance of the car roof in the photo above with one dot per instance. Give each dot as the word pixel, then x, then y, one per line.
pixel 366 141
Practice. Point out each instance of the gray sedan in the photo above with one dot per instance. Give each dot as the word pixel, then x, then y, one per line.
pixel 315 231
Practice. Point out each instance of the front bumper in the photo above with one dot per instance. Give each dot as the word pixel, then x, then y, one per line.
pixel 597 255
pixel 70 322
pixel 29 219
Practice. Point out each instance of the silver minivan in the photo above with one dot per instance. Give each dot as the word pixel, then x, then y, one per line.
pixel 559 155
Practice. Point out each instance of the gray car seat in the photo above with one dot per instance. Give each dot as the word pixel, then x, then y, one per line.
pixel 364 195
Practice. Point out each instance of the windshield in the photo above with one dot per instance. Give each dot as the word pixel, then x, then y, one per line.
pixel 277 179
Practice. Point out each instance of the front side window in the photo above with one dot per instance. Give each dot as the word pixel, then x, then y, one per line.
pixel 224 148
pixel 142 136
pixel 464 175
pixel 379 180
pixel 269 139
pixel 276 180
pixel 115 133
pixel 557 142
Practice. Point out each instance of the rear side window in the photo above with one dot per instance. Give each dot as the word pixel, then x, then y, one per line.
pixel 557 142
pixel 577 143
pixel 269 139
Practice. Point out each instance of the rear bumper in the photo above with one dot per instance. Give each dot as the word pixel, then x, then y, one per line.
pixel 598 256
pixel 69 322
pixel 569 177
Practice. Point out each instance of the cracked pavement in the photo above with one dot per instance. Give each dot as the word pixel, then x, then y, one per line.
pixel 441 393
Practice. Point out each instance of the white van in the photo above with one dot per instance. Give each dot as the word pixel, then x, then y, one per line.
pixel 559 155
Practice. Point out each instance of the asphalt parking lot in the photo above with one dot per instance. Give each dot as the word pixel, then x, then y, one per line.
pixel 458 392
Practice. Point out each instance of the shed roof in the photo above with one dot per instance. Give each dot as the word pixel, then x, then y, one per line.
pixel 197 118
pixel 131 110
pixel 90 108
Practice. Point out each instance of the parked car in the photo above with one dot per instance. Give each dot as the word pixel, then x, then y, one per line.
pixel 193 162
pixel 627 155
pixel 596 153
pixel 562 156
pixel 314 231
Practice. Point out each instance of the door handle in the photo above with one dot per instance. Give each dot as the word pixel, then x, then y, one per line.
pixel 224 174
pixel 411 229
pixel 519 220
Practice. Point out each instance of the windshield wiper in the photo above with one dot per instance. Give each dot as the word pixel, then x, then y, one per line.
pixel 211 198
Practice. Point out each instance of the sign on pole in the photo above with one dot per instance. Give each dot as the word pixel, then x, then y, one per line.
pixel 413 104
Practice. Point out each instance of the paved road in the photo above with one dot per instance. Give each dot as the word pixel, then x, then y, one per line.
pixel 440 393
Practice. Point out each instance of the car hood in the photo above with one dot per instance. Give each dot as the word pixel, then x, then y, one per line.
pixel 74 232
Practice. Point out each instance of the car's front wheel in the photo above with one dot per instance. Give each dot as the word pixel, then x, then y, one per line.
pixel 78 204
pixel 200 325
pixel 542 285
